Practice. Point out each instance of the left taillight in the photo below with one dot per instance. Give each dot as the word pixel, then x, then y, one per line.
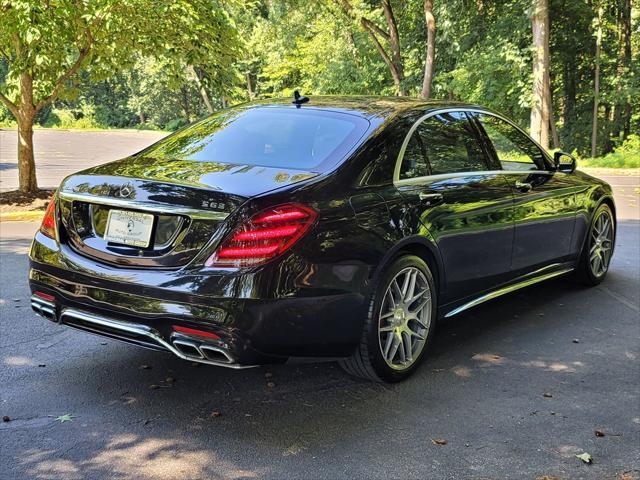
pixel 48 226
pixel 264 236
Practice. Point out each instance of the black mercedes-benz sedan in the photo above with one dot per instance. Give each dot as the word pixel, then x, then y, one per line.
pixel 341 228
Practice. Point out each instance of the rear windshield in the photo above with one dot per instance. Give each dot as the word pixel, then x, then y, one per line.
pixel 304 138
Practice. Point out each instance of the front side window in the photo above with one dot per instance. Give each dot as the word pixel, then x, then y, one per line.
pixel 514 149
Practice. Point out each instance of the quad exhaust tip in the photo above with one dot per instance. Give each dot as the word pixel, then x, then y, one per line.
pixel 138 334
pixel 198 351
pixel 44 307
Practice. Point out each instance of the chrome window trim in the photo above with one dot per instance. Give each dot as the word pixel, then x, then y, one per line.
pixel 145 206
pixel 407 181
pixel 444 176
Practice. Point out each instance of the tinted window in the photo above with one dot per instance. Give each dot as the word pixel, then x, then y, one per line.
pixel 301 138
pixel 414 162
pixel 514 149
pixel 450 144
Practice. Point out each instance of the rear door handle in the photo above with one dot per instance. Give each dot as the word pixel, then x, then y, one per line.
pixel 430 199
pixel 523 187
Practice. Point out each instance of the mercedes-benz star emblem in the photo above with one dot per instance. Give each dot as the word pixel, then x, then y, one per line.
pixel 124 192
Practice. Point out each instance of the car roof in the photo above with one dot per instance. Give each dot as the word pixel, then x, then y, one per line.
pixel 363 105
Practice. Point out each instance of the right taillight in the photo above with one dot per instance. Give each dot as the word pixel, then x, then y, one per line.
pixel 48 226
pixel 264 236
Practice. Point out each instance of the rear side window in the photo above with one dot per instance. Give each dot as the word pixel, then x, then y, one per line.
pixel 305 138
pixel 514 149
pixel 414 162
pixel 449 144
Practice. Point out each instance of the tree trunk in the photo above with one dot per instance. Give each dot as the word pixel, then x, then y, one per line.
pixel 623 108
pixel 184 102
pixel 431 48
pixel 569 83
pixel 596 86
pixel 26 162
pixel 203 91
pixel 27 182
pixel 540 108
pixel 397 70
pixel 250 91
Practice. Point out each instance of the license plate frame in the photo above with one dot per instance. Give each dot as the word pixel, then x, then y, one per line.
pixel 127 227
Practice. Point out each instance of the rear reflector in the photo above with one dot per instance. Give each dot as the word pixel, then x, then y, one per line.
pixel 264 236
pixel 193 331
pixel 45 296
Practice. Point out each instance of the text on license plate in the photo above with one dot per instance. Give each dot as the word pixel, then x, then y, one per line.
pixel 129 228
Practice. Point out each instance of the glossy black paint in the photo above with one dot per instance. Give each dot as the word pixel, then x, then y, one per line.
pixel 482 234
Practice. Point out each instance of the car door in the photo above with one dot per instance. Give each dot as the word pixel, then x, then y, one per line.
pixel 443 175
pixel 544 200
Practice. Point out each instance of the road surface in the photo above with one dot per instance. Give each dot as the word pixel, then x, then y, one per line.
pixel 516 387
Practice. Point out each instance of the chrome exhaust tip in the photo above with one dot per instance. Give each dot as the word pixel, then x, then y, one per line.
pixel 198 351
pixel 44 308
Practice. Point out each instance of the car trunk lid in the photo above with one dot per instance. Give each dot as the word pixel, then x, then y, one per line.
pixel 188 201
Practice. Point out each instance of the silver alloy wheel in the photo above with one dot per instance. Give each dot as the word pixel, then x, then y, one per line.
pixel 601 244
pixel 405 318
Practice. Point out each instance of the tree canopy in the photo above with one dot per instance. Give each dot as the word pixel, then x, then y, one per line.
pixel 164 63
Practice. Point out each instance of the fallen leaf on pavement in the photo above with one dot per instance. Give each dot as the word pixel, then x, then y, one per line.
pixel 67 417
pixel 586 458
pixel 438 441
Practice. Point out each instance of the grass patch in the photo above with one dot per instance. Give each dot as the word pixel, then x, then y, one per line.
pixel 626 155
pixel 28 216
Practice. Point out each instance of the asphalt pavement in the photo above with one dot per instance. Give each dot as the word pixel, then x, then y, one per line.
pixel 515 388
pixel 59 153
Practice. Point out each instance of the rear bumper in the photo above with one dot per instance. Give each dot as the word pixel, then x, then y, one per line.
pixel 260 317
pixel 185 347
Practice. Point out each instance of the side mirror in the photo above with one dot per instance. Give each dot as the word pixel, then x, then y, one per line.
pixel 564 162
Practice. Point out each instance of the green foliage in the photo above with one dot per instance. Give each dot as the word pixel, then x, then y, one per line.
pixel 626 155
pixel 147 59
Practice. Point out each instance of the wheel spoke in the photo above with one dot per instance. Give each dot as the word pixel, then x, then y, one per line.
pixel 386 315
pixel 394 347
pixel 412 287
pixel 387 347
pixel 397 291
pixel 405 286
pixel 419 336
pixel 391 299
pixel 408 348
pixel 421 305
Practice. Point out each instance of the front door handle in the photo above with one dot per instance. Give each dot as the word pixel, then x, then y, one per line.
pixel 523 187
pixel 430 199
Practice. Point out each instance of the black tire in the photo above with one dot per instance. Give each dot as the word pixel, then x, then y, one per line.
pixel 368 361
pixel 584 271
